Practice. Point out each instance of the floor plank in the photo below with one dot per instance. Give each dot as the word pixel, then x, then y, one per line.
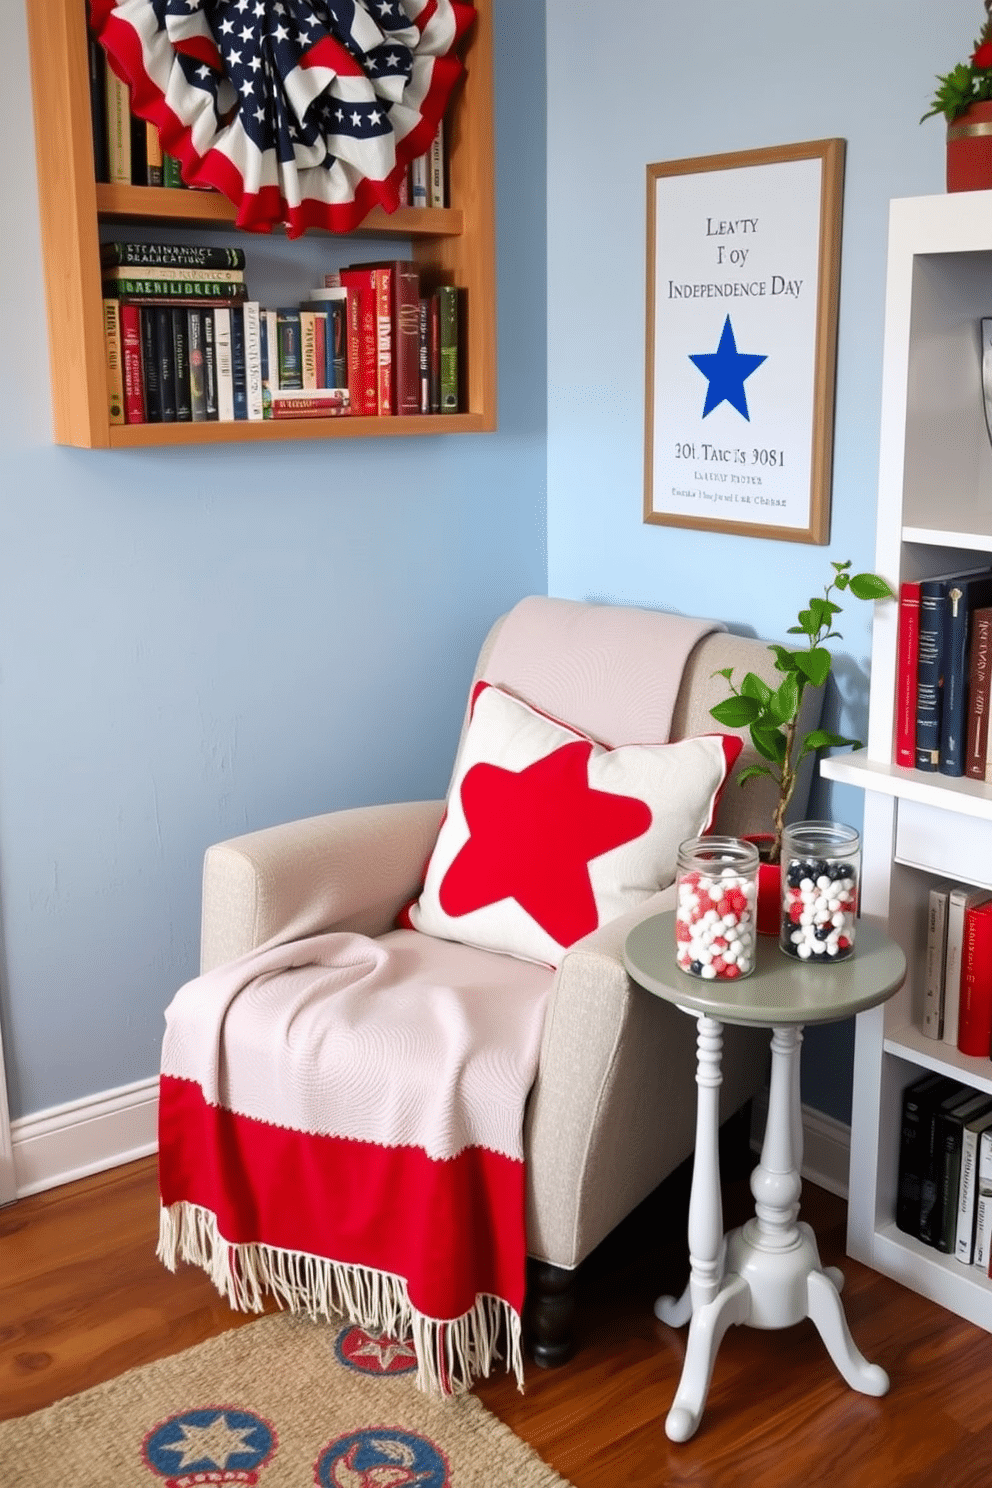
pixel 83 1297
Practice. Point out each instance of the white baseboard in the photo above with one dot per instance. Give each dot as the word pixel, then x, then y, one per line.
pixel 85 1136
pixel 826 1146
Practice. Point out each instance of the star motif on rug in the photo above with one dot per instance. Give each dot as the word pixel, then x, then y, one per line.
pixel 532 835
pixel 385 1351
pixel 727 370
pixel 216 1443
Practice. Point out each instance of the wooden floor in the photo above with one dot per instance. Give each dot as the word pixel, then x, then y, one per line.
pixel 82 1298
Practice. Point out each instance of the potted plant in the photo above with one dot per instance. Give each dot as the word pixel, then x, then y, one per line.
pixel 772 714
pixel 964 97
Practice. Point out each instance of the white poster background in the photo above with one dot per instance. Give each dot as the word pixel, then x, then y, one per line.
pixel 742 243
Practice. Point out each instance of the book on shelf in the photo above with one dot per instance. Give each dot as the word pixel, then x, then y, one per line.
pixel 289 349
pixel 949 1143
pixel 308 348
pixel 423 352
pixel 907 659
pixel 170 274
pixel 123 253
pixel 150 371
pixel 98 106
pixel 963 598
pixel 929 688
pixel 209 364
pixel 224 363
pixel 172 173
pixel 404 332
pixel 252 313
pixel 153 156
pixel 131 352
pixel 960 899
pixel 933 987
pixel 180 358
pixel 449 370
pixel 360 284
pixel 433 355
pixel 983 1203
pixel 114 360
pixel 269 338
pixel 309 403
pixel 139 153
pixel 971 1135
pixel 932 1177
pixel 437 195
pixel 118 119
pixel 197 380
pixel 166 363
pixel 419 181
pixel 149 287
pixel 239 370
pixel 919 1099
pixel 979 688
pixel 975 1015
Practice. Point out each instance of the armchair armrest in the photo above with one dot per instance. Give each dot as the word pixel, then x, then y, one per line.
pixel 346 870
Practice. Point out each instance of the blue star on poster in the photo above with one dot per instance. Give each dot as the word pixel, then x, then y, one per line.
pixel 727 370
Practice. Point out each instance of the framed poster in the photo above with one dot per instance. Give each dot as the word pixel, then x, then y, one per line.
pixel 743 267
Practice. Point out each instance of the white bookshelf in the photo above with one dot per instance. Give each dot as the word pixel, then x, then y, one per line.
pixel 920 829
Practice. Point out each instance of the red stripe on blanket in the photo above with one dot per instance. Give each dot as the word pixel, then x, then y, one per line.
pixel 452 1228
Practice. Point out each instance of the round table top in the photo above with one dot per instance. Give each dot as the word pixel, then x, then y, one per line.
pixel 780 990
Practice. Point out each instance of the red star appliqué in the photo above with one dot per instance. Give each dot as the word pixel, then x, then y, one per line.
pixel 532 834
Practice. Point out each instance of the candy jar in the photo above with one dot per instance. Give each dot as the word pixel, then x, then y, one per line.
pixel 821 864
pixel 715 909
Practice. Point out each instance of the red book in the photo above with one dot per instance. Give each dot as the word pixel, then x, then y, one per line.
pixel 365 392
pixel 405 291
pixel 134 383
pixel 907 655
pixel 979 661
pixel 383 280
pixel 975 1016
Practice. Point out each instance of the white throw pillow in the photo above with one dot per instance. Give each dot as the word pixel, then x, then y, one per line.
pixel 549 834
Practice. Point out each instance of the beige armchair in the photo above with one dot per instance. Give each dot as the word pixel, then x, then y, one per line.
pixel 612 1110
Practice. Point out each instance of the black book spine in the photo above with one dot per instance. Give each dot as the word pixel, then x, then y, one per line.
pixel 98 109
pixel 166 363
pixel 150 365
pixel 209 364
pixel 180 355
pixel 239 369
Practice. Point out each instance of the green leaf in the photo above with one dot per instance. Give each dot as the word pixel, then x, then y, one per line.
pixel 754 687
pixel 870 586
pixel 821 739
pixel 769 742
pixel 785 660
pixel 814 665
pixel 784 703
pixel 807 623
pixel 752 771
pixel 736 712
pixel 726 672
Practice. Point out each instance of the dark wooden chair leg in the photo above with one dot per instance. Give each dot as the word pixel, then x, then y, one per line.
pixel 550 1313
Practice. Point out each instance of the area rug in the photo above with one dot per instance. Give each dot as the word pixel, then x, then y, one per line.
pixel 282 1403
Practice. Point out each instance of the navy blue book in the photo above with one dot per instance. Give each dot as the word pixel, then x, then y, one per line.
pixel 239 367
pixel 929 673
pixel 180 357
pixel 963 596
pixel 150 364
pixel 166 363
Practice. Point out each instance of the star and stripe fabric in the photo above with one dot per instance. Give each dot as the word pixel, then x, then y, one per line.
pixel 301 112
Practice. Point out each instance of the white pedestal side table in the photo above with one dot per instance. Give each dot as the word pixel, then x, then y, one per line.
pixel 767 1273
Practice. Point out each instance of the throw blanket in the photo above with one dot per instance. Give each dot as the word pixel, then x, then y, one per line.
pixel 339 1128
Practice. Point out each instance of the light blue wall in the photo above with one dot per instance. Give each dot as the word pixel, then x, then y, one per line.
pixel 195 643
pixel 651 81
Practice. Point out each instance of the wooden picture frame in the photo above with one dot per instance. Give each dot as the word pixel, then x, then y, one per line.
pixel 743 271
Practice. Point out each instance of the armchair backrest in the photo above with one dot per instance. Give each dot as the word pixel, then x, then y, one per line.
pixel 608 670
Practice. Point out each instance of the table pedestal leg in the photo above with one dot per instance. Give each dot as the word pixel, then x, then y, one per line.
pixel 768 1273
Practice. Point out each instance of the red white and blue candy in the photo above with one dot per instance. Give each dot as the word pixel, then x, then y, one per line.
pixel 819 908
pixel 715 924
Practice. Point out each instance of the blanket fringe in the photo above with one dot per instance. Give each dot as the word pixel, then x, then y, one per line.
pixel 451 1354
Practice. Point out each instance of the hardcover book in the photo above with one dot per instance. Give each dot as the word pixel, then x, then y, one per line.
pixel 964 1247
pixel 115 361
pixel 983 1203
pixel 131 353
pixel 931 1181
pixel 180 358
pixel 224 364
pixel 918 1102
pixel 979 659
pixel 253 358
pixel 963 598
pixel 975 1017
pixel 933 991
pixel 197 378
pixel 118 116
pixel 166 363
pixel 209 363
pixel 239 370
pixel 150 369
pixel 929 688
pixel 289 347
pixel 362 327
pixel 159 256
pixel 960 899
pixel 907 661
pixel 949 1139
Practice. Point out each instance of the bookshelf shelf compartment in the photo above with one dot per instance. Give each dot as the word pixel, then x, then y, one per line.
pixel 454 245
pixel 922 829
